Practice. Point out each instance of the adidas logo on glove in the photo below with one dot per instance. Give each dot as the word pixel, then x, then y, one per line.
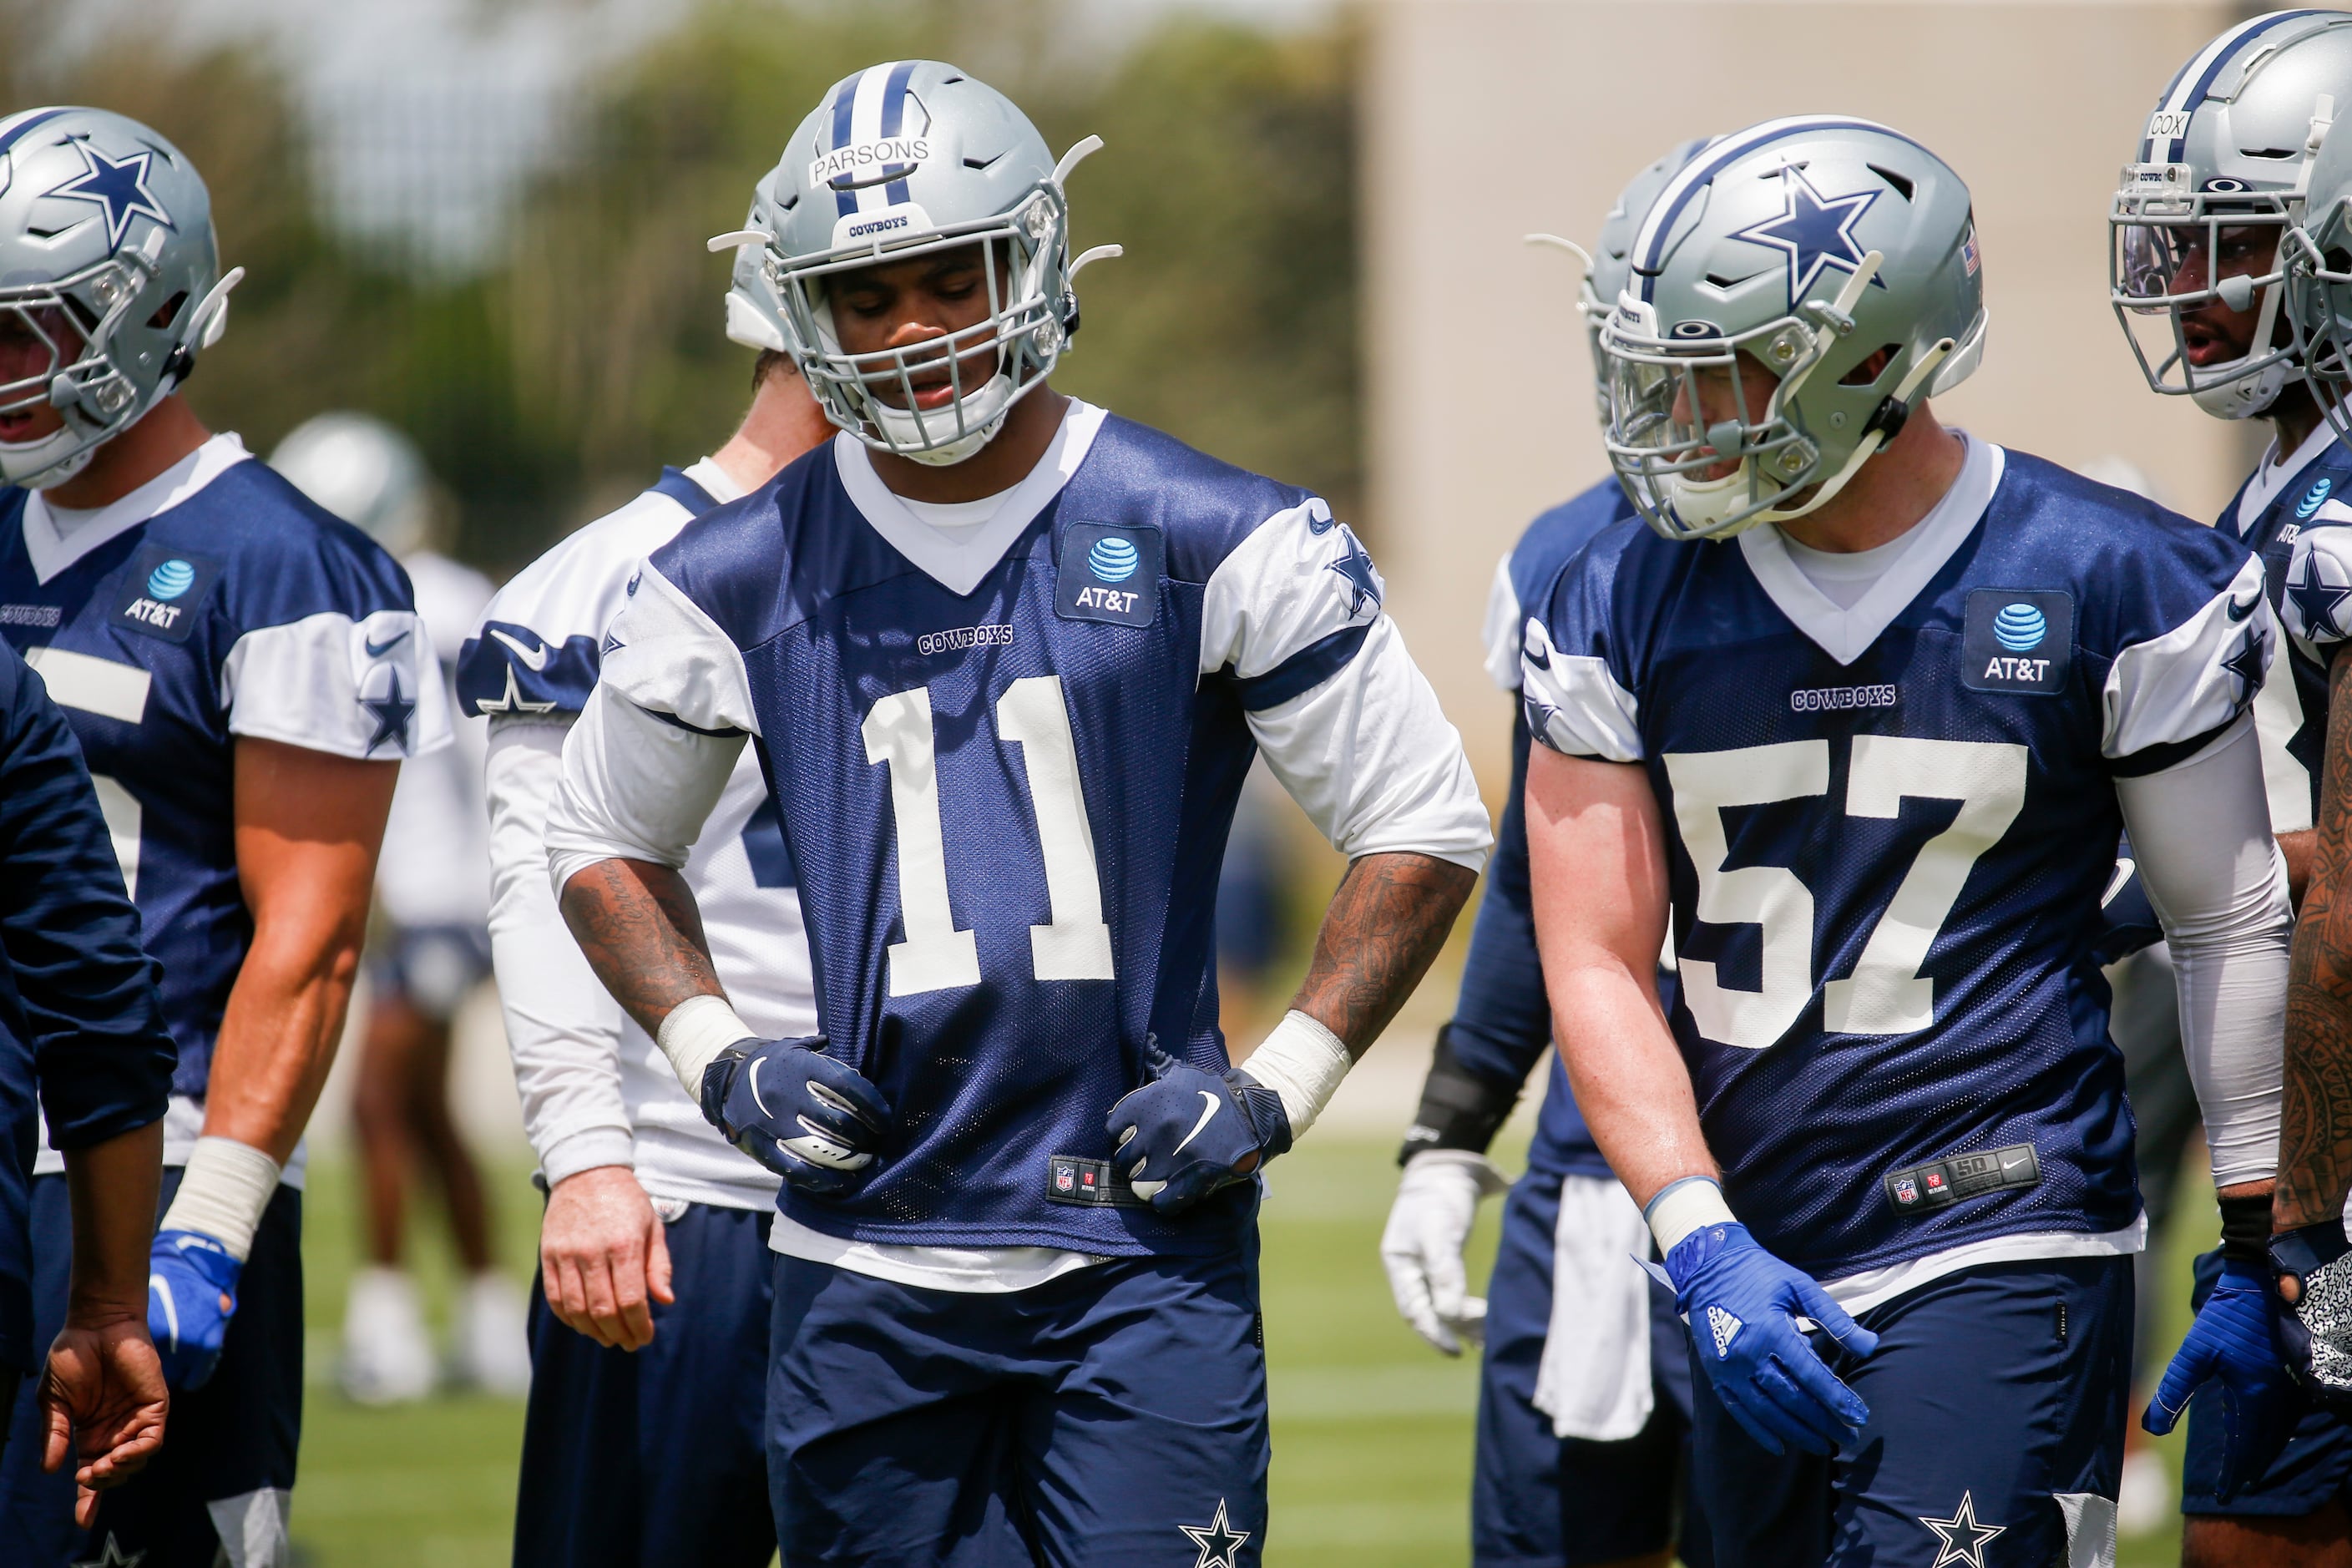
pixel 1724 1328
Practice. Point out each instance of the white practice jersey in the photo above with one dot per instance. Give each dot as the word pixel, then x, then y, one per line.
pixel 595 1088
pixel 435 866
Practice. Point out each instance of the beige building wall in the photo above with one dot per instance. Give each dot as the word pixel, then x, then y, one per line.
pixel 1485 119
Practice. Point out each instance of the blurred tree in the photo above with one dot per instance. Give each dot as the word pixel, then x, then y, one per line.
pixel 552 383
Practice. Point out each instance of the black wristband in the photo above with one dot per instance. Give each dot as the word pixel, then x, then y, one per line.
pixel 2246 1228
pixel 1458 1110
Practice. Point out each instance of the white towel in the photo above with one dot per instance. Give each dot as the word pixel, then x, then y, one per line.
pixel 1594 1379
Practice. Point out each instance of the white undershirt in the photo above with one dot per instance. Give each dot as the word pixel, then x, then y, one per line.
pixel 1844 576
pixel 954 515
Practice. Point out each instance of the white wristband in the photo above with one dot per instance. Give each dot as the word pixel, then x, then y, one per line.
pixel 1302 1062
pixel 696 1031
pixel 1694 1203
pixel 223 1190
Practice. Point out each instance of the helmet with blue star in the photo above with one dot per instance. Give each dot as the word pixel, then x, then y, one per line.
pixel 2196 264
pixel 1791 294
pixel 109 284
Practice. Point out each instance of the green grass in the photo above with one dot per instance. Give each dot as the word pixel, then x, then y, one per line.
pixel 1371 1430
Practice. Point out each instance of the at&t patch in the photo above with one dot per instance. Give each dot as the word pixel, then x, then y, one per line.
pixel 2018 640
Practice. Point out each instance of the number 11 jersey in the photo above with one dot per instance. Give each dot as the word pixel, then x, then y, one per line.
pixel 1889 827
pixel 1006 755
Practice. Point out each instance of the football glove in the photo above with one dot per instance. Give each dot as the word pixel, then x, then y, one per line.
pixel 1743 1305
pixel 1188 1131
pixel 2230 1344
pixel 1436 1205
pixel 191 1296
pixel 2314 1331
pixel 815 1122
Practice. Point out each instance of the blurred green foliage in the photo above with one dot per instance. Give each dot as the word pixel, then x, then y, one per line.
pixel 552 383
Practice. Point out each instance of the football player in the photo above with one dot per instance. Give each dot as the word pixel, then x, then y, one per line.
pixel 1866 700
pixel 244 673
pixel 431 948
pixel 82 1035
pixel 2215 182
pixel 1582 1428
pixel 1006 658
pixel 645 1440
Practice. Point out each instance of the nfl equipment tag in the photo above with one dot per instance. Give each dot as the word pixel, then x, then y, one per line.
pixel 1939 1183
pixel 1109 574
pixel 2018 640
pixel 162 592
pixel 1071 1180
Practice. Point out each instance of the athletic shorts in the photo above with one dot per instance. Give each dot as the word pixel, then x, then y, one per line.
pixel 223 1481
pixel 656 1458
pixel 1997 1397
pixel 1538 1500
pixel 1116 1414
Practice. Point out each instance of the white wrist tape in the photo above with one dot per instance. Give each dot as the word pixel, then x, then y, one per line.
pixel 1302 1062
pixel 221 1192
pixel 696 1031
pixel 1681 1207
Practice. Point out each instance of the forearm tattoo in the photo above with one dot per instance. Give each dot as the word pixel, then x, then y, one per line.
pixel 1385 926
pixel 641 933
pixel 2315 1133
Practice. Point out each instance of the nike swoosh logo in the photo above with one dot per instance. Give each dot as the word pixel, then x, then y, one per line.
pixel 378 649
pixel 757 1098
pixel 533 659
pixel 2238 614
pixel 1208 1113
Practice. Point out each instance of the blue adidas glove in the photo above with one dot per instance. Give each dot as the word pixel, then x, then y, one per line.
pixel 815 1122
pixel 2315 1331
pixel 2230 1346
pixel 1743 1305
pixel 1188 1131
pixel 191 1296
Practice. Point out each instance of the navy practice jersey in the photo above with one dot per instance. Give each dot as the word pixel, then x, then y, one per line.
pixel 2306 550
pixel 214 603
pixel 78 1014
pixel 1889 830
pixel 1006 779
pixel 1502 1021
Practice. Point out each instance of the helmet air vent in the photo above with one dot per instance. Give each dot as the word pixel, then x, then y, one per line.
pixel 1902 184
pixel 986 162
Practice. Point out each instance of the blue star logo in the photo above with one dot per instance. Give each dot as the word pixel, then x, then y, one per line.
pixel 2246 664
pixel 1356 568
pixel 119 188
pixel 391 713
pixel 1813 231
pixel 1963 1539
pixel 2316 602
pixel 1219 1541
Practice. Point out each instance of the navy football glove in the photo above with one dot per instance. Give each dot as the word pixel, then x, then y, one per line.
pixel 1188 1131
pixel 2315 1333
pixel 815 1122
pixel 2230 1345
pixel 1742 1304
pixel 191 1296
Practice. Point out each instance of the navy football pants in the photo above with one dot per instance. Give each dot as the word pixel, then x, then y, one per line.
pixel 226 1446
pixel 655 1458
pixel 1538 1500
pixel 1116 1416
pixel 1997 1398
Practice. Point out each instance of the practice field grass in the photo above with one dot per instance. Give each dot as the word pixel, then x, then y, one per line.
pixel 1371 1430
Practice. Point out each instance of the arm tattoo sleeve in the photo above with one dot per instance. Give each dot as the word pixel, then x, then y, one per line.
pixel 1385 925
pixel 2316 1135
pixel 641 931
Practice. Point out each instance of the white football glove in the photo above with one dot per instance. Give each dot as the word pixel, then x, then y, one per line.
pixel 1436 1203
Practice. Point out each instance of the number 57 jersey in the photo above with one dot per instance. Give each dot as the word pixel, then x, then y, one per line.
pixel 1889 827
pixel 1006 754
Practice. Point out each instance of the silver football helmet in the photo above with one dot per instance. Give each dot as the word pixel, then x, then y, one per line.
pixel 365 472
pixel 901 159
pixel 109 282
pixel 1789 294
pixel 2202 215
